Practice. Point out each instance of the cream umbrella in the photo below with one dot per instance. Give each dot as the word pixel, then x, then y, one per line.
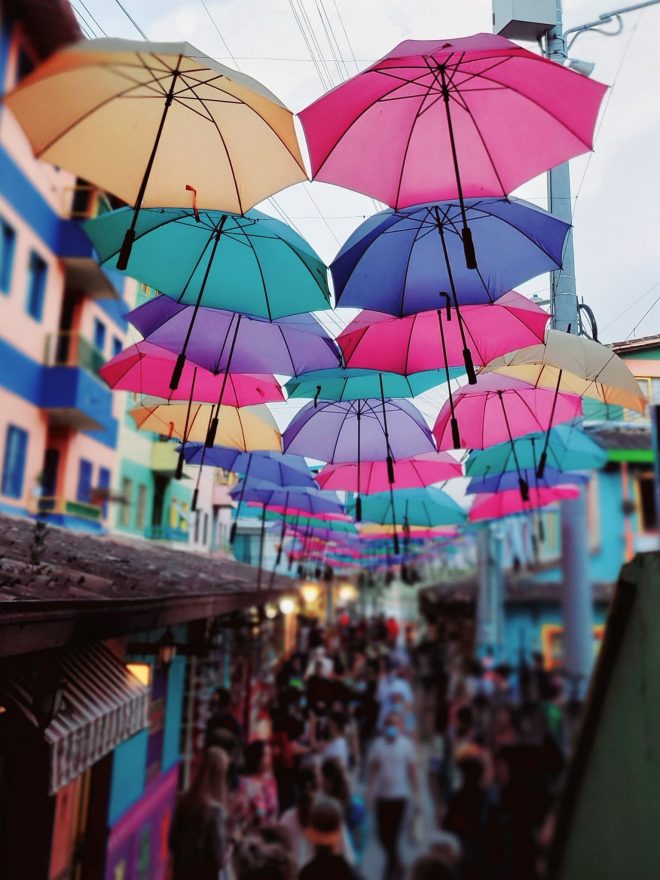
pixel 158 124
pixel 248 428
pixel 575 365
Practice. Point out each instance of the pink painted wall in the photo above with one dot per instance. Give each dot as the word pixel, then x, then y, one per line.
pixel 16 411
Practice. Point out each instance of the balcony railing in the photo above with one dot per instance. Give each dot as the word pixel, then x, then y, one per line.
pixel 165 533
pixel 48 504
pixel 84 201
pixel 70 349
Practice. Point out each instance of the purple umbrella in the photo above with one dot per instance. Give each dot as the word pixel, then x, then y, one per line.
pixel 225 342
pixel 353 430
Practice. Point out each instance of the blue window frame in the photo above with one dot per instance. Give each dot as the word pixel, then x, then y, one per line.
pixel 13 467
pixel 36 290
pixel 117 346
pixel 104 483
pixel 84 480
pixel 7 244
pixel 99 335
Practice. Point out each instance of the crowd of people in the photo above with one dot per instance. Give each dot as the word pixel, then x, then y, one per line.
pixel 452 764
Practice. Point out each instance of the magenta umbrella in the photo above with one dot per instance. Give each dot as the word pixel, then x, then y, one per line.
pixel 492 412
pixel 375 341
pixel 498 504
pixel 371 476
pixel 445 119
pixel 145 368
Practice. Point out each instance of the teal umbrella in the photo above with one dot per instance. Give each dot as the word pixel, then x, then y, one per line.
pixel 411 507
pixel 360 384
pixel 249 263
pixel 569 449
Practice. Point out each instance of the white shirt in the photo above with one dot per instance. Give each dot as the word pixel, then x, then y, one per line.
pixel 391 760
pixel 337 748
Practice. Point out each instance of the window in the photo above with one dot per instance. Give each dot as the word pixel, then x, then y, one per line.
pixel 84 480
pixel 36 290
pixel 141 512
pixel 117 346
pixel 51 466
pixel 7 243
pixel 13 468
pixel 205 533
pixel 646 506
pixel 125 509
pixel 198 517
pixel 104 485
pixel 99 335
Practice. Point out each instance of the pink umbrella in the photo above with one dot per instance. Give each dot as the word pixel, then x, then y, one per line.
pixel 146 368
pixel 375 341
pixel 499 504
pixel 372 476
pixel 444 119
pixel 496 410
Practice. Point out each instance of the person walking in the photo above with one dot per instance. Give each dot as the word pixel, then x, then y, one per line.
pixel 198 838
pixel 391 787
pixel 325 833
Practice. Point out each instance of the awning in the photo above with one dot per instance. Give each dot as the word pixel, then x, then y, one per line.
pixel 101 705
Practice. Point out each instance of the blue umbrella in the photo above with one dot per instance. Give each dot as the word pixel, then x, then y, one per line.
pixel 276 467
pixel 510 480
pixel 412 260
pixel 298 498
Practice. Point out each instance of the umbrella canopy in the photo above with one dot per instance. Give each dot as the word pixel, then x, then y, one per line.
pixel 411 473
pixel 398 261
pixel 298 499
pixel 149 121
pixel 249 428
pixel 412 344
pixel 252 263
pixel 499 504
pixel 510 480
pixel 359 384
pixel 414 507
pixel 498 408
pixel 398 130
pixel 568 449
pixel 313 525
pixel 576 365
pixel 275 467
pixel 285 347
pixel 146 368
pixel 347 431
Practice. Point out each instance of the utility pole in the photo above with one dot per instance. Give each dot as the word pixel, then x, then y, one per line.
pixel 577 599
pixel 489 637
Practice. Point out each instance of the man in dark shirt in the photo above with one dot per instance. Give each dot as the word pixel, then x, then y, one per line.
pixel 325 833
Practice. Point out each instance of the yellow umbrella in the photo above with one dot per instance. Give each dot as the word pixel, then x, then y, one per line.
pixel 574 365
pixel 159 124
pixel 249 428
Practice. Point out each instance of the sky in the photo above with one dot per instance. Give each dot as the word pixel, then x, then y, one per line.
pixel 615 190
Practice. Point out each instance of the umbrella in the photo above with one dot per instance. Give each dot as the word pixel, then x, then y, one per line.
pixel 412 507
pixel 499 504
pixel 359 384
pixel 250 428
pixel 286 347
pixel 251 263
pixel 509 480
pixel 329 431
pixel 413 344
pixel 397 261
pixel 498 409
pixel 569 448
pixel 144 368
pixel 575 365
pixel 444 119
pixel 371 476
pixel 157 123
pixel 300 499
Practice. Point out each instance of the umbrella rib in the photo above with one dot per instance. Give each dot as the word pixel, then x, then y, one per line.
pixel 408 261
pixel 467 109
pixel 418 113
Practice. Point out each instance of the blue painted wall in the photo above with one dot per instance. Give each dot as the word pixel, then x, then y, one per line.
pixel 174 713
pixel 129 765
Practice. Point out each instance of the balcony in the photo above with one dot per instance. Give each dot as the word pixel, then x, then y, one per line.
pixel 61 511
pixel 166 533
pixel 164 458
pixel 72 393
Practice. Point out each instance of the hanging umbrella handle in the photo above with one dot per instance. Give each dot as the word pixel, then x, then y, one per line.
pixel 396 543
pixel 316 396
pixel 447 300
pixel 542 462
pixel 468 248
pixel 390 469
pixel 541 529
pixel 524 488
pixel 232 532
pixel 358 509
pixel 455 433
pixel 195 497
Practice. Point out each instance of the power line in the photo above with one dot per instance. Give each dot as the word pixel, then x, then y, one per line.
pixel 348 42
pixel 217 30
pixel 131 19
pixel 89 13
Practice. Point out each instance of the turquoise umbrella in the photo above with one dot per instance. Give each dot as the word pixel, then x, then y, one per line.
pixel 248 263
pixel 569 449
pixel 412 507
pixel 360 384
